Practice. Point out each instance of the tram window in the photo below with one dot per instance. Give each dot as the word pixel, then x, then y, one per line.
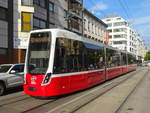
pixel 66 56
pixel 113 58
pixel 94 56
pixel 76 56
pixel 39 51
pixel 123 59
pixel 131 59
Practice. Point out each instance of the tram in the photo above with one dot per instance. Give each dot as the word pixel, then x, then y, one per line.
pixel 59 62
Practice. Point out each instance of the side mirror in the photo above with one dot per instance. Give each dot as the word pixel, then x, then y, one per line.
pixel 12 71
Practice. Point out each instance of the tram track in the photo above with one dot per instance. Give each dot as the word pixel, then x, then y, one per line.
pixel 121 82
pixel 80 106
pixel 10 98
pixel 14 101
pixel 36 104
pixel 133 90
pixel 107 94
pixel 24 105
pixel 29 110
pixel 17 99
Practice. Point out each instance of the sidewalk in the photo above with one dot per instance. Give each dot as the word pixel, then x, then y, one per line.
pixel 138 101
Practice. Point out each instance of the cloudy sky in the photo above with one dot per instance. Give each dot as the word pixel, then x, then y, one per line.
pixel 137 12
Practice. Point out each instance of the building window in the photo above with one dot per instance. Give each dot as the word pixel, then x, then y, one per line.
pixel 109 30
pixel 120 30
pixel 108 20
pixel 120 23
pixel 95 30
pixel 27 2
pixel 100 31
pixel 109 25
pixel 88 26
pixel 110 36
pixel 40 3
pixel 3 51
pixel 119 42
pixel 39 23
pixel 65 14
pixel 92 28
pixel 26 21
pixel 52 25
pixel 120 36
pixel 130 49
pixel 3 13
pixel 118 18
pixel 51 6
pixel 84 23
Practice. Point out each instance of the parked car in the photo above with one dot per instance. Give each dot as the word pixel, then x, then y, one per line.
pixel 11 75
pixel 146 63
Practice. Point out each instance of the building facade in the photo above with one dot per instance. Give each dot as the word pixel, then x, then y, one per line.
pixel 19 17
pixel 141 50
pixel 65 14
pixel 122 36
pixel 6 19
pixel 22 23
pixel 93 27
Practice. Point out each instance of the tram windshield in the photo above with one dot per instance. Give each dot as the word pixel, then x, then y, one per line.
pixel 38 53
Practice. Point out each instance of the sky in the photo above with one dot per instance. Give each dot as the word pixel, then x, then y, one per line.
pixel 136 12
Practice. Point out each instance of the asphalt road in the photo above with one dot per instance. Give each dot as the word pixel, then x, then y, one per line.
pixel 125 94
pixel 132 96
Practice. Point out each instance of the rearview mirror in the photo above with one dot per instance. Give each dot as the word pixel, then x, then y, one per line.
pixel 12 71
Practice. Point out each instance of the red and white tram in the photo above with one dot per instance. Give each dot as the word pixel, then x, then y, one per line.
pixel 59 62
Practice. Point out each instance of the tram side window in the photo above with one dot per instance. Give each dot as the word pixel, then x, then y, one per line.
pixel 123 59
pixel 113 58
pixel 131 59
pixel 76 56
pixel 94 56
pixel 66 56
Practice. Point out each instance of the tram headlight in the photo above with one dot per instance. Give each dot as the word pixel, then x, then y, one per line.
pixel 47 79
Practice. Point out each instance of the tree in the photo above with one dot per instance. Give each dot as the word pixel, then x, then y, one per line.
pixel 147 56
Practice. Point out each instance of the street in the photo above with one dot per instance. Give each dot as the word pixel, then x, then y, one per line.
pixel 74 56
pixel 114 96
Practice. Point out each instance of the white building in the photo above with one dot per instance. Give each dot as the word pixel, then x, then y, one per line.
pixel 122 36
pixel 141 49
pixel 94 28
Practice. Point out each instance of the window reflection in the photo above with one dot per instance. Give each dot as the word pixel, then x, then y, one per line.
pixel 113 58
pixel 131 59
pixel 76 56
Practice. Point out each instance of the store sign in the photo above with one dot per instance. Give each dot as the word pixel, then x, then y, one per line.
pixel 107 38
pixel 20 43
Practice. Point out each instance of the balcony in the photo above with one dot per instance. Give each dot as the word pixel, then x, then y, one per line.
pixel 119 33
pixel 75 6
pixel 74 24
pixel 120 39
pixel 27 2
pixel 76 1
pixel 76 9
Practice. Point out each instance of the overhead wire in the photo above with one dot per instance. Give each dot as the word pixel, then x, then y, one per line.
pixel 133 20
pixel 94 3
pixel 124 8
pixel 124 5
